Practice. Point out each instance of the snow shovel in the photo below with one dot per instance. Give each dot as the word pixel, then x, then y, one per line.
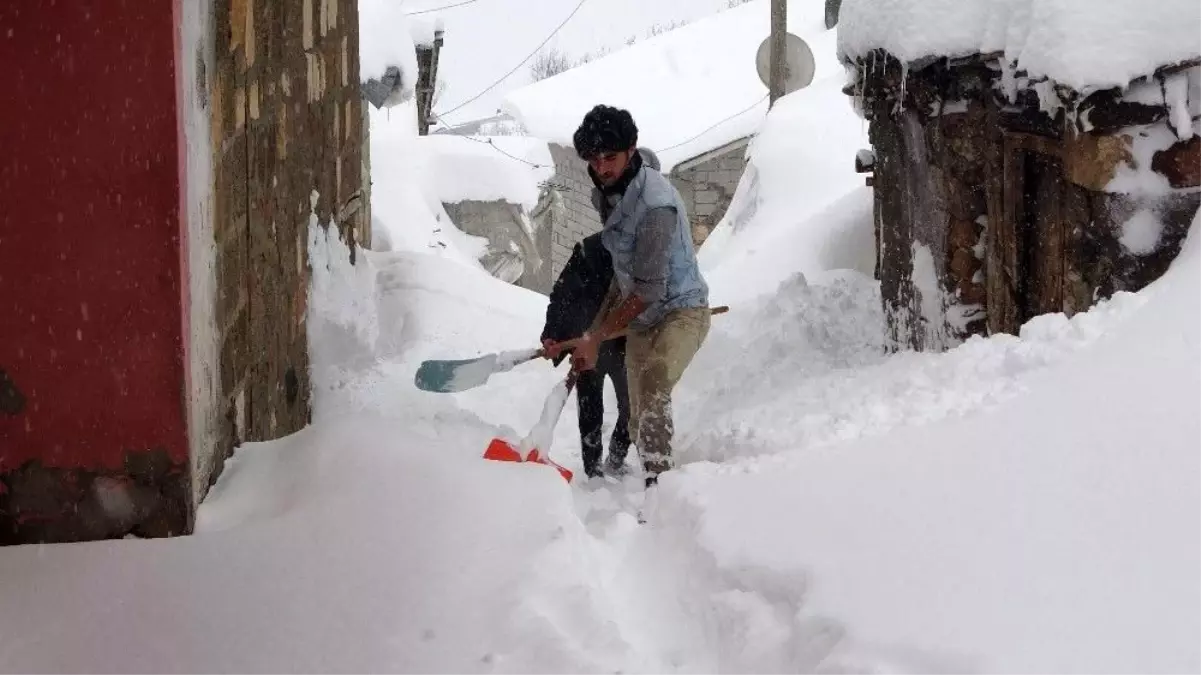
pixel 536 445
pixel 448 376
pixel 451 376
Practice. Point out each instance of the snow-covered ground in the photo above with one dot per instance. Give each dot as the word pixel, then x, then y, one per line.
pixel 1020 504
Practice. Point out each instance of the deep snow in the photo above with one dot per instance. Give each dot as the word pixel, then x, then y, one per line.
pixel 1019 504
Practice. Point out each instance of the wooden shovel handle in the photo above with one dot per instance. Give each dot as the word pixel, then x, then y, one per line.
pixel 722 309
pixel 713 311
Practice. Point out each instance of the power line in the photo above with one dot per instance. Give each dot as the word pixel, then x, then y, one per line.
pixel 494 146
pixel 439 9
pixel 523 61
pixel 715 125
pixel 497 148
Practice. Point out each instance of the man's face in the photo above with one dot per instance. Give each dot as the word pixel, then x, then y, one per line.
pixel 608 166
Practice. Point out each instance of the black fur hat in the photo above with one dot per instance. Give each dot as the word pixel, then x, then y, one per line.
pixel 605 129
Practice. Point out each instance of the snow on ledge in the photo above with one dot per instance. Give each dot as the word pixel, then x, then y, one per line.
pixel 386 39
pixel 497 168
pixel 1084 44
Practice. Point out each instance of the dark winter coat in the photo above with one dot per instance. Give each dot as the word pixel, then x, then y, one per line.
pixel 579 292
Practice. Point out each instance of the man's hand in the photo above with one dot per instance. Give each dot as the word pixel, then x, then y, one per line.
pixel 551 349
pixel 584 353
pixel 555 350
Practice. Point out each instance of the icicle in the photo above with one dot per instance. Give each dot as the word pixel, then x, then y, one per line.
pixel 904 80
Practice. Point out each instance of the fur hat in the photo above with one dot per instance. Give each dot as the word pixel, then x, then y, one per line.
pixel 605 129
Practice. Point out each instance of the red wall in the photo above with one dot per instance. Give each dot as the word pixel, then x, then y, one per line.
pixel 90 299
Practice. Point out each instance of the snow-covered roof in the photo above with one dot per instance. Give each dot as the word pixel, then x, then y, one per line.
pixel 678 85
pixel 498 168
pixel 388 40
pixel 1084 44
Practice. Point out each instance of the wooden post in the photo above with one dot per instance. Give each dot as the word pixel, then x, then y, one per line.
pixel 427 78
pixel 779 28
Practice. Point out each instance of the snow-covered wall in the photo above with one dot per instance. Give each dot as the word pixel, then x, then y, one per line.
pixel 1083 44
pixel 707 185
pixel 194 60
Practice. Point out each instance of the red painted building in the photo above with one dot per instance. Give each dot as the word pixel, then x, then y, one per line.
pixel 140 337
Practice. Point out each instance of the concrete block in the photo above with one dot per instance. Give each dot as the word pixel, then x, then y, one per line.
pixel 732 162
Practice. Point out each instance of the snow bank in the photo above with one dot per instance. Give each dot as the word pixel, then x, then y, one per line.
pixel 386 39
pixel 800 206
pixel 505 168
pixel 407 214
pixel 1075 42
pixel 413 176
pixel 339 549
pixel 1057 532
pixel 677 84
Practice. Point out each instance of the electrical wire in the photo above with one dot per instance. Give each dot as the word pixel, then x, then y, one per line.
pixel 716 124
pixel 493 145
pixel 439 9
pixel 496 148
pixel 523 61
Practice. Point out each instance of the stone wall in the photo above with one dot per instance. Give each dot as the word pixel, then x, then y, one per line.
pixel 288 133
pixel 996 201
pixel 578 218
pixel 707 184
pixel 512 254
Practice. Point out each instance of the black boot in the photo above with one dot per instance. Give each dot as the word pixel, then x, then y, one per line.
pixel 590 451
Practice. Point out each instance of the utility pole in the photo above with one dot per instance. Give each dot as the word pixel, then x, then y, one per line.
pixel 779 69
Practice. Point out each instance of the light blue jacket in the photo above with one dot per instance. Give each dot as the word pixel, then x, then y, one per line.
pixel 685 285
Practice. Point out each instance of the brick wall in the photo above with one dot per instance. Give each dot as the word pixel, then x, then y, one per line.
pixel 288 125
pixel 579 218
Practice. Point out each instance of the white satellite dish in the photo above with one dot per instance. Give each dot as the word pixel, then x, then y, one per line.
pixel 799 65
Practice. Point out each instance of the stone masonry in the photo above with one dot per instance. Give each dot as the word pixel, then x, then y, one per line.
pixel 707 184
pixel 287 125
pixel 579 218
pixel 511 255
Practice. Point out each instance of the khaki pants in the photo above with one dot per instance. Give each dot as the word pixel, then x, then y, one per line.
pixel 655 360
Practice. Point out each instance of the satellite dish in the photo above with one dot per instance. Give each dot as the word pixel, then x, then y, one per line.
pixel 798 63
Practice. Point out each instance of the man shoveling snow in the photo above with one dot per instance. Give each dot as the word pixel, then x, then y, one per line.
pixel 657 292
